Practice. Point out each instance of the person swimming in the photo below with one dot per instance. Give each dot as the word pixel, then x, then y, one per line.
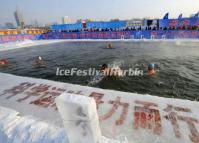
pixel 104 67
pixel 3 62
pixel 110 71
pixel 151 69
pixel 110 46
pixel 39 61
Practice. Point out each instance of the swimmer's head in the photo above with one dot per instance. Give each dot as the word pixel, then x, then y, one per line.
pixel 110 45
pixel 104 66
pixel 39 58
pixel 151 66
pixel 151 69
pixel 3 62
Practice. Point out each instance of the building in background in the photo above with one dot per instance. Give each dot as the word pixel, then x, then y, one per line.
pixel 66 20
pixel 9 32
pixel 36 23
pixel 32 31
pixel 84 20
pixel 19 18
pixel 9 25
pixel 135 23
pixel 115 20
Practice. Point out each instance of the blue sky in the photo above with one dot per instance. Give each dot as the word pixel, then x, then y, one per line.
pixel 48 11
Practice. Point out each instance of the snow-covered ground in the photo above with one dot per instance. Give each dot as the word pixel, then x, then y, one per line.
pixel 26 44
pixel 16 128
pixel 138 118
pixel 30 43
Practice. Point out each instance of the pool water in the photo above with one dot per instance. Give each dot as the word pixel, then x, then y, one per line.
pixel 177 65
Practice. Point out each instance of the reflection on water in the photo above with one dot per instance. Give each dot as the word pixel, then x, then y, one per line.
pixel 177 65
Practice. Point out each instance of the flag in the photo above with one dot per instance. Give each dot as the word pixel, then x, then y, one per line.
pixel 166 16
pixel 180 16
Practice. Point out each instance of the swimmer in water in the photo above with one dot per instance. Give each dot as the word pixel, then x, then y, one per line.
pixel 110 71
pixel 151 69
pixel 110 46
pixel 104 67
pixel 39 61
pixel 3 62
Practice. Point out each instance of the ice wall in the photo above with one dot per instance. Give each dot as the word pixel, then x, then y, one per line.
pixel 15 128
pixel 80 118
pixel 136 117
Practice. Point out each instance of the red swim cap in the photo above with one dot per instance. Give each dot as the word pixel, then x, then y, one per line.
pixel 4 62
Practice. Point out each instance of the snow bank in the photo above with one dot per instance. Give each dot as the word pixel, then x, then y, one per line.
pixel 30 43
pixel 26 43
pixel 123 116
pixel 80 117
pixel 15 128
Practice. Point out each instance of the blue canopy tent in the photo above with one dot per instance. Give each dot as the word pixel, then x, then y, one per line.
pixel 79 26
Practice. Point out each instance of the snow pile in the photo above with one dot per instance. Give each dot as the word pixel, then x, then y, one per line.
pixel 15 128
pixel 123 116
pixel 29 43
pixel 80 117
pixel 26 43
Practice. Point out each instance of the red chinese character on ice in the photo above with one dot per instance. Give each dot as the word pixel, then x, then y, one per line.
pixel 59 89
pixel 173 117
pixel 17 89
pixel 73 92
pixel 115 104
pixel 36 91
pixel 48 98
pixel 46 101
pixel 146 116
pixel 98 98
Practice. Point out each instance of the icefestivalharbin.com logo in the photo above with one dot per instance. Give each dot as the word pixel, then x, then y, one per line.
pixel 96 72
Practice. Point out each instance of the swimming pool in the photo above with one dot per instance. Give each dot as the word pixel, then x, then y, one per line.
pixel 176 62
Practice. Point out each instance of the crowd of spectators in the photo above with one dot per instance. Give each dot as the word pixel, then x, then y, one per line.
pixel 128 29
